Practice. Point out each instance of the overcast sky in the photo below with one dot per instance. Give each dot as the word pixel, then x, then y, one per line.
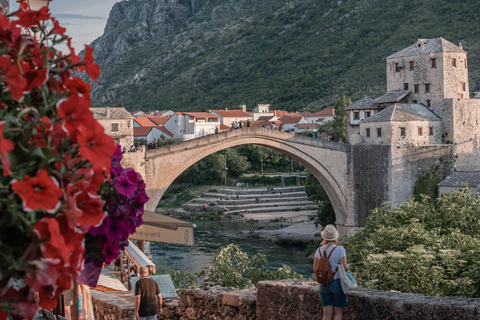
pixel 84 19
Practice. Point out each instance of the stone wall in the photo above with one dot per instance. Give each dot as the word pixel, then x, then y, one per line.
pixel 294 299
pixel 290 300
pixel 371 167
pixel 136 161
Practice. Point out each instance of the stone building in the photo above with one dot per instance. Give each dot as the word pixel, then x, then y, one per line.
pixel 458 180
pixel 426 118
pixel 5 4
pixel 118 124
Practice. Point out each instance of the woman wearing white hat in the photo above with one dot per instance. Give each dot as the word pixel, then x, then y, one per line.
pixel 333 298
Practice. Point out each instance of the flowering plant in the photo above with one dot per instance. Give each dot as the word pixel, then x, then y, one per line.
pixel 55 162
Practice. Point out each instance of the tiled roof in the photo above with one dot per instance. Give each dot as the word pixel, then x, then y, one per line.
pixel 289 119
pixel 429 46
pixel 159 121
pixel 405 112
pixel 224 127
pixel 141 131
pixel 264 118
pixel 163 129
pixel 115 113
pixel 363 104
pixel 144 121
pixel 302 114
pixel 279 113
pixel 393 96
pixel 200 115
pixel 232 113
pixel 459 178
pixel 327 112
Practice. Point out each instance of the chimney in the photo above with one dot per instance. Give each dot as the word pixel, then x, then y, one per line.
pixel 226 109
pixel 460 45
pixel 107 113
pixel 243 107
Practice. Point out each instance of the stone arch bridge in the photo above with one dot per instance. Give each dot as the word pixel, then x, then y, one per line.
pixel 328 161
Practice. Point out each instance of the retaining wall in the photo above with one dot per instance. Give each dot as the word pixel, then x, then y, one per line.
pixel 293 300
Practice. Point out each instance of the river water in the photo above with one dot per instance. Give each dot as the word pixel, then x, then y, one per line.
pixel 210 236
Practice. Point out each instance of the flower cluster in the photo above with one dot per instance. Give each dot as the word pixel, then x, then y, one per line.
pixel 54 160
pixel 124 197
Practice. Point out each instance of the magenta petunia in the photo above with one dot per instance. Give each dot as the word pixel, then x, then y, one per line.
pixel 125 186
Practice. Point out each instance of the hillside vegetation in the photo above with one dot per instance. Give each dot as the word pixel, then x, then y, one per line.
pixel 296 55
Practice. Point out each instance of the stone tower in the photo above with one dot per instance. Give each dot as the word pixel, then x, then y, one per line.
pixel 5 6
pixel 432 69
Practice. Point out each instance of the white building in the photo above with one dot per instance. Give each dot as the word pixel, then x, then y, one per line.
pixel 290 121
pixel 190 125
pixel 227 117
pixel 151 134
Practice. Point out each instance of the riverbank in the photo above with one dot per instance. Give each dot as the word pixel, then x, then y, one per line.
pixel 298 233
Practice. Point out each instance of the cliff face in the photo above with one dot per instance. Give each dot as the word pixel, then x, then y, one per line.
pixel 297 54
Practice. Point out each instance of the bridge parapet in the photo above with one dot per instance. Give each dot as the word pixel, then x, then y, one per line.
pixel 248 132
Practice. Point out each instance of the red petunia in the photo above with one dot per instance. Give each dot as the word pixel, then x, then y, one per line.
pixel 5 147
pixel 96 146
pixel 53 246
pixel 28 18
pixel 93 70
pixel 91 207
pixel 77 85
pixel 75 112
pixel 35 76
pixel 8 31
pixel 57 29
pixel 12 76
pixel 38 192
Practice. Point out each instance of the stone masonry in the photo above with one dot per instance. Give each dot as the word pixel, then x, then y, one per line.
pixel 291 300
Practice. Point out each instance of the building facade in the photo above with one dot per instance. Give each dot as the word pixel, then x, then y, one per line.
pixel 117 123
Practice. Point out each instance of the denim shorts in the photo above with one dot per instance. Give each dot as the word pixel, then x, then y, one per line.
pixel 332 294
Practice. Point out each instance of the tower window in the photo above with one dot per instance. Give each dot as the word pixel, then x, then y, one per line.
pixel 454 62
pixel 414 101
pixel 427 87
pixel 403 132
pixel 429 103
pixel 379 132
pixel 430 131
pixel 405 86
pixel 367 114
pixel 420 131
pixel 412 65
pixel 415 88
pixel 367 132
pixel 356 116
pixel 114 127
pixel 464 86
pixel 465 63
pixel 433 62
pixel 397 67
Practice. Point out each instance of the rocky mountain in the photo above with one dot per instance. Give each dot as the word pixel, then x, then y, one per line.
pixel 294 54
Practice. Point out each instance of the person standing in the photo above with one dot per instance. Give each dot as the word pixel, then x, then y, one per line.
pixel 216 129
pixel 333 298
pixel 146 293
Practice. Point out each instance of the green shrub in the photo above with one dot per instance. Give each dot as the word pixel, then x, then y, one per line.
pixel 421 247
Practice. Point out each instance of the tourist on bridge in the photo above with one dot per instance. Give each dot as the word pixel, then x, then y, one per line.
pixel 333 298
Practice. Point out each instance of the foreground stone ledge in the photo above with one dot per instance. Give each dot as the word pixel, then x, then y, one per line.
pixel 295 299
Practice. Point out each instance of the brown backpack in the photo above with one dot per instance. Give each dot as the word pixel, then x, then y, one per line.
pixel 323 272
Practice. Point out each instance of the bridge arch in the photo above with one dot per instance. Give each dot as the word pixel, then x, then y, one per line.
pixel 326 160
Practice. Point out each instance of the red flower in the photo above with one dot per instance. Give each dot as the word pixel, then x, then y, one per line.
pixel 28 18
pixel 39 192
pixel 57 29
pixel 12 76
pixel 75 112
pixel 8 31
pixel 92 209
pixel 48 230
pixel 77 85
pixel 96 146
pixel 35 77
pixel 93 70
pixel 5 147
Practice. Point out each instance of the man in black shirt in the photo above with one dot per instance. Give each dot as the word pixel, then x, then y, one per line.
pixel 146 291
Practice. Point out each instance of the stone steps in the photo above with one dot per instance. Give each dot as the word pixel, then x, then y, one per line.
pixel 261 191
pixel 272 210
pixel 273 195
pixel 241 201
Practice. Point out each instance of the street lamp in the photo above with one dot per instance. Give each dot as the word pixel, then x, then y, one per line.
pixel 36 4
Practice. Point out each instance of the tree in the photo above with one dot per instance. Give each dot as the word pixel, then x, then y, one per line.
pixel 337 128
pixel 421 247
pixel 316 193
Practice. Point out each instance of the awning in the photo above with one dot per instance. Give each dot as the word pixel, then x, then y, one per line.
pixel 138 257
pixel 160 228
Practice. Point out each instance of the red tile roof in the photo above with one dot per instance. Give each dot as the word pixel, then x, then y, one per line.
pixel 159 121
pixel 163 129
pixel 264 118
pixel 144 121
pixel 141 131
pixel 290 119
pixel 200 115
pixel 327 112
pixel 232 113
pixel 224 127
pixel 279 113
